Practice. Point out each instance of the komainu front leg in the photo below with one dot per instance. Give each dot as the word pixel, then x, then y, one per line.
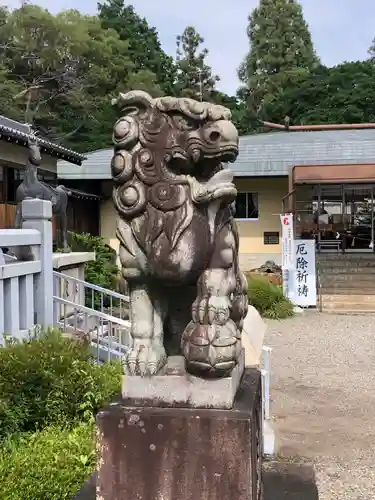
pixel 211 342
pixel 147 354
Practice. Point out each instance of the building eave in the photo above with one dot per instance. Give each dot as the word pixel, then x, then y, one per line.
pixel 20 138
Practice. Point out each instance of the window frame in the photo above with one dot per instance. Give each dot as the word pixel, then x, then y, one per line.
pixel 249 219
pixel 267 235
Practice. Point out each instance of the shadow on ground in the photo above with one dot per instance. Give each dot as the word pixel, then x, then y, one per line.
pixel 281 481
pixel 289 481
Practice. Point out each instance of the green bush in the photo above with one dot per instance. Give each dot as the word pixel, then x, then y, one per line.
pixel 269 299
pixel 51 380
pixel 102 271
pixel 51 464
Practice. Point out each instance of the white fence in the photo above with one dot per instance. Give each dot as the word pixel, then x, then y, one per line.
pixel 26 285
pixel 31 293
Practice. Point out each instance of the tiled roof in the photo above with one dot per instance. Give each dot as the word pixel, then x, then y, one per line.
pixel 97 166
pixel 263 155
pixel 19 133
pixel 272 153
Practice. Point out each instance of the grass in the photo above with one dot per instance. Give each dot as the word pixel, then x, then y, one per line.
pixel 268 299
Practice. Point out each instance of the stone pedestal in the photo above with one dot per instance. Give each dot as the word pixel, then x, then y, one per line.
pixel 175 387
pixel 154 453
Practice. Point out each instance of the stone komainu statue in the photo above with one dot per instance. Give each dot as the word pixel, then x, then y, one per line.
pixel 178 238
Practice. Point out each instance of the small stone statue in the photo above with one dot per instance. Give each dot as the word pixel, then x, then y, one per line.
pixel 32 187
pixel 178 238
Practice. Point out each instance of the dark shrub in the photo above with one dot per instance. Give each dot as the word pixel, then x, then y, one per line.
pixel 51 464
pixel 51 380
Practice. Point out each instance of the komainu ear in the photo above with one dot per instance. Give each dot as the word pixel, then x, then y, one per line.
pixel 134 102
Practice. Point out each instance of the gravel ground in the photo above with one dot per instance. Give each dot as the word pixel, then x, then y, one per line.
pixel 323 398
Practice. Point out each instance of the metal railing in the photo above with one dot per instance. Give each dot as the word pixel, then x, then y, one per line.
pixel 92 296
pixel 95 314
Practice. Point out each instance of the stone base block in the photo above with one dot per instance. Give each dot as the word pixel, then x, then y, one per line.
pixel 154 453
pixel 174 387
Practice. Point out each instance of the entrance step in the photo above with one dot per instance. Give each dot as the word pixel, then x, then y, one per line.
pixel 346 263
pixel 347 256
pixel 348 303
pixel 347 283
pixel 339 274
pixel 353 283
pixel 364 280
pixel 338 269
pixel 345 289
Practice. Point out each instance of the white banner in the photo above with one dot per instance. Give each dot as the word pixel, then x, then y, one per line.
pixel 288 255
pixel 305 273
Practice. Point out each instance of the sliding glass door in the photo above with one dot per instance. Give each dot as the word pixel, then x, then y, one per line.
pixel 358 202
pixel 343 215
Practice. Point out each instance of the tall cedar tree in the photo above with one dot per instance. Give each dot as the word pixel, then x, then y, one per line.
pixel 194 76
pixel 281 50
pixel 371 50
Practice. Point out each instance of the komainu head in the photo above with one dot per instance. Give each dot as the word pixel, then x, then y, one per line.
pixel 169 148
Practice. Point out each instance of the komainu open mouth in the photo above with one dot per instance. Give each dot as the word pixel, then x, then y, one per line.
pixel 227 154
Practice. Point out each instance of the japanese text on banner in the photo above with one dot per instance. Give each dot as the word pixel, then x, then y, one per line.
pixel 288 255
pixel 305 276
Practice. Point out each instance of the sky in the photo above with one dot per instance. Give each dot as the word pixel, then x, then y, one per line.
pixel 342 30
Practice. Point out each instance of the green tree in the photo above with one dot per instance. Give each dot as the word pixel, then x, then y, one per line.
pixel 144 48
pixel 3 15
pixel 9 89
pixel 194 76
pixel 371 50
pixel 63 70
pixel 59 61
pixel 342 94
pixel 241 116
pixel 281 50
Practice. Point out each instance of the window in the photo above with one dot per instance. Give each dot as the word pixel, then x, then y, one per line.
pixel 14 179
pixel 247 206
pixel 271 238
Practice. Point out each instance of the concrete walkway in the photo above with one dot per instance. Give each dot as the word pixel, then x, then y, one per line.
pixel 323 398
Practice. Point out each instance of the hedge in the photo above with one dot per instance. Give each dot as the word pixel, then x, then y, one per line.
pixel 51 380
pixel 51 464
pixel 50 390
